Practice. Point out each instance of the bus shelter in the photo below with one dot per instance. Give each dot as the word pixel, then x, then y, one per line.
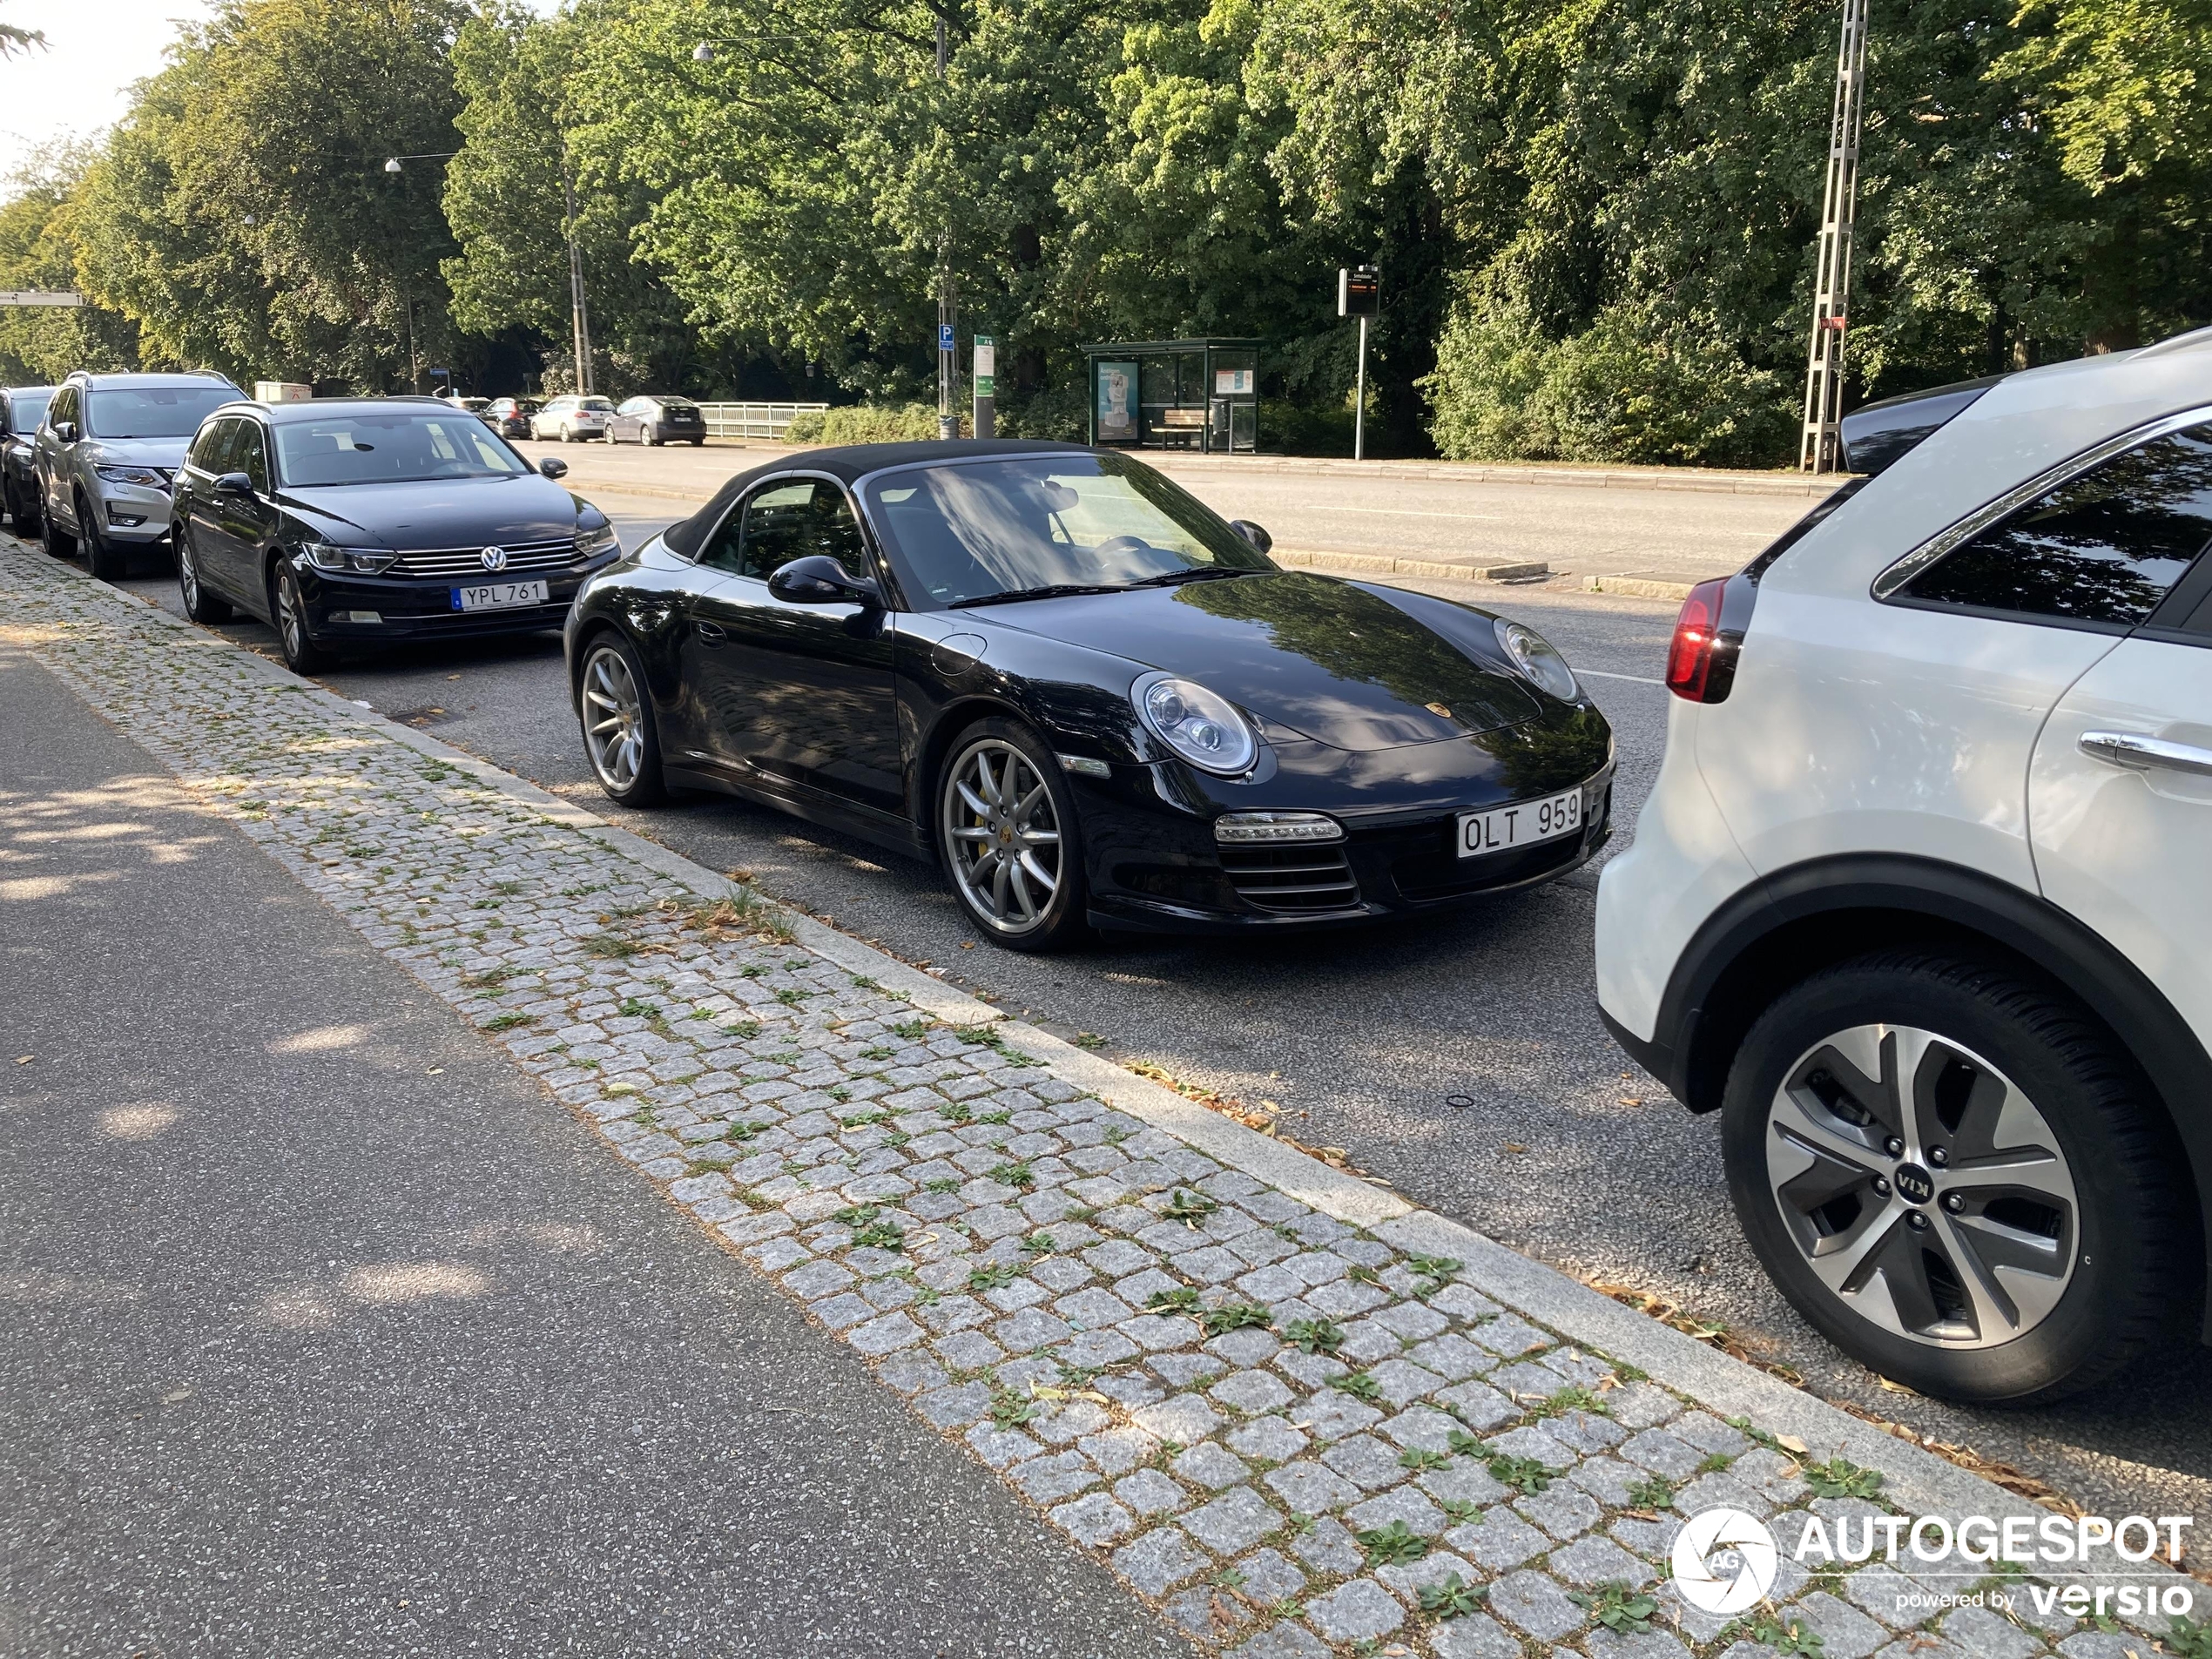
pixel 1201 395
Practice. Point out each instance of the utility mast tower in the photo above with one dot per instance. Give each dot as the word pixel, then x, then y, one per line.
pixel 1821 450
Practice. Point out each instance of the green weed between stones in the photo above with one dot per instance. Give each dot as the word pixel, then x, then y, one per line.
pixel 1620 1610
pixel 1840 1478
pixel 1453 1599
pixel 1393 1545
pixel 1315 1336
pixel 1524 1474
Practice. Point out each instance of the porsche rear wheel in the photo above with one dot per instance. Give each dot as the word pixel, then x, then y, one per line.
pixel 1007 831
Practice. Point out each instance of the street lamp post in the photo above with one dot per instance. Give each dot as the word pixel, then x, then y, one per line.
pixel 579 314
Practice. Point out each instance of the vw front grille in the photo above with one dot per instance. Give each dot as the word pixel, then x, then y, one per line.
pixel 469 560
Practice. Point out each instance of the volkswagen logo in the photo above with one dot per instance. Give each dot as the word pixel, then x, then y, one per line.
pixel 494 558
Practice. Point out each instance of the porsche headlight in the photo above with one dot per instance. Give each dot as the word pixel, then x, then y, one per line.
pixel 350 561
pixel 1539 661
pixel 1194 722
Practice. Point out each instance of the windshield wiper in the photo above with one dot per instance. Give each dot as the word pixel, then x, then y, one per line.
pixel 1054 591
pixel 1196 573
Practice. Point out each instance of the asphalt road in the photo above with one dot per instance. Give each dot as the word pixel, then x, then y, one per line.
pixel 323 1331
pixel 1580 530
pixel 1564 1150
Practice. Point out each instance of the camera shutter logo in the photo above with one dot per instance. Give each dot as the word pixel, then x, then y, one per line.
pixel 493 558
pixel 1724 1561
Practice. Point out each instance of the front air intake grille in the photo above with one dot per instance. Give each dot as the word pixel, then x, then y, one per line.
pixel 469 560
pixel 1294 879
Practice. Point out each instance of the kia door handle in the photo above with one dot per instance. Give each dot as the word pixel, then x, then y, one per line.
pixel 2139 753
pixel 713 634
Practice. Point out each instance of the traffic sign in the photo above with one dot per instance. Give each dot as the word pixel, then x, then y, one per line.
pixel 944 336
pixel 986 365
pixel 1359 291
pixel 35 297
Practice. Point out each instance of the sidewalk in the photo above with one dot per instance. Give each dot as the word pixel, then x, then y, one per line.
pixel 324 1335
pixel 1285 1406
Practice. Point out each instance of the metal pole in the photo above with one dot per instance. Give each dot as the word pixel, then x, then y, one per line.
pixel 579 319
pixel 947 300
pixel 1359 404
pixel 1821 447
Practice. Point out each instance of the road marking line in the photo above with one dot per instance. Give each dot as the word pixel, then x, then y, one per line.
pixel 1599 674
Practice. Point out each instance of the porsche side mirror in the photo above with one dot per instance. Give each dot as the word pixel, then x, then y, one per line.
pixel 234 484
pixel 553 467
pixel 819 579
pixel 1252 533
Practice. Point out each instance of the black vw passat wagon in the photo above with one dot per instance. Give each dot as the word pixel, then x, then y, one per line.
pixel 351 522
pixel 1091 699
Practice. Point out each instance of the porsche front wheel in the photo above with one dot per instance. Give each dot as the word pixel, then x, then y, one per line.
pixel 1006 833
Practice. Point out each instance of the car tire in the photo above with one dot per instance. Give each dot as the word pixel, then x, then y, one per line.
pixel 649 437
pixel 614 709
pixel 57 542
pixel 288 610
pixel 697 442
pixel 200 605
pixel 1887 1226
pixel 1008 840
pixel 107 561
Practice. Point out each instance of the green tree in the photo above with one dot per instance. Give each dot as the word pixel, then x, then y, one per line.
pixel 245 216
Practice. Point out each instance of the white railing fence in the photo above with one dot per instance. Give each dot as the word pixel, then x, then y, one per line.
pixel 754 419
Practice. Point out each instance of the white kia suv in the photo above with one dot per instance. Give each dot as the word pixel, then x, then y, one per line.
pixel 1921 902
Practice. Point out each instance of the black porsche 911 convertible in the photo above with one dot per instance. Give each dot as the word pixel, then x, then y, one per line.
pixel 1092 700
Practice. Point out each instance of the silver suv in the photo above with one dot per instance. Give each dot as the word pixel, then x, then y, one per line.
pixel 106 453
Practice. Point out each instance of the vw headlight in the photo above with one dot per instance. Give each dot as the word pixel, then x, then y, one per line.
pixel 1198 725
pixel 144 477
pixel 592 540
pixel 350 561
pixel 1538 660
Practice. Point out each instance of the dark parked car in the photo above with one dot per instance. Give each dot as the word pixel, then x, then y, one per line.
pixel 1092 700
pixel 511 417
pixel 657 419
pixel 106 454
pixel 359 522
pixel 21 407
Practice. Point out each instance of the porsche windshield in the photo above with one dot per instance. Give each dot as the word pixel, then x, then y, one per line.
pixel 384 448
pixel 973 532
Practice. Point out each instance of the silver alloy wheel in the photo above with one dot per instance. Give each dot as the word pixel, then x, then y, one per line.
pixel 1003 835
pixel 1928 1194
pixel 188 578
pixel 614 719
pixel 291 625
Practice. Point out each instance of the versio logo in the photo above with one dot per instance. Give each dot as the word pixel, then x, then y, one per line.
pixel 1724 1561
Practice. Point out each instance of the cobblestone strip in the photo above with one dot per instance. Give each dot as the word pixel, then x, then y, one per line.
pixel 1292 1434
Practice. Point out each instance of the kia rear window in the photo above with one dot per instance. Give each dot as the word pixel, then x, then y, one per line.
pixel 2104 547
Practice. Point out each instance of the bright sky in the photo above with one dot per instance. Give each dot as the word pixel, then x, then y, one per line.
pixel 81 82
pixel 96 48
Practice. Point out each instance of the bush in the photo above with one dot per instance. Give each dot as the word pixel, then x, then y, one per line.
pixel 870 423
pixel 1059 415
pixel 1628 389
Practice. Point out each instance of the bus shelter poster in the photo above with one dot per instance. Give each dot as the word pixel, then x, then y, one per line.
pixel 1117 402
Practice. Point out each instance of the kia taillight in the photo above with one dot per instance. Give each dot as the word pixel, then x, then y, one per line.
pixel 1701 662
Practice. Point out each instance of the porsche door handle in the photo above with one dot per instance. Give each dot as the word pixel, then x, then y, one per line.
pixel 713 634
pixel 2140 753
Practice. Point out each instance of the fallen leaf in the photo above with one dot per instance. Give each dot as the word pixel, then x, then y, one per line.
pixel 1045 1391
pixel 437 1071
pixel 967 944
pixel 1896 1387
pixel 25 1059
pixel 1792 1443
pixel 1514 1149
pixel 1631 1101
